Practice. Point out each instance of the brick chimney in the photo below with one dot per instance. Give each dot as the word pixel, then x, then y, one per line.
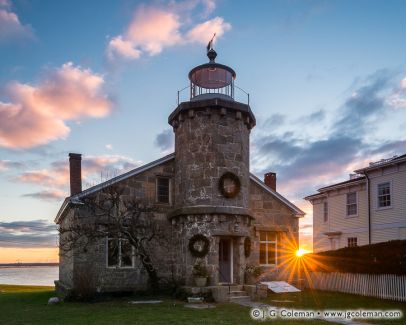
pixel 270 180
pixel 75 170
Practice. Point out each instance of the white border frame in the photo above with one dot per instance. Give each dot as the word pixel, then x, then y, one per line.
pixel 269 242
pixel 119 255
pixel 377 207
pixel 346 205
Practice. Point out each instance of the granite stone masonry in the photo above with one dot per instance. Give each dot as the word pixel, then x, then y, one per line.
pixel 204 188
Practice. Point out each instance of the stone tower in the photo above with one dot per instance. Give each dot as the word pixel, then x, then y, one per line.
pixel 211 183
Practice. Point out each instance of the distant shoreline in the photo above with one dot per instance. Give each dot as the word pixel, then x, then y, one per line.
pixel 4 265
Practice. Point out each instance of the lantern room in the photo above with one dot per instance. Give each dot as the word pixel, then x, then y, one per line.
pixel 212 80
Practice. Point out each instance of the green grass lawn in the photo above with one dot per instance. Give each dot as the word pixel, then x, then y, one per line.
pixel 323 300
pixel 28 305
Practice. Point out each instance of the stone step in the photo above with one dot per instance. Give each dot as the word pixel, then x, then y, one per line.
pixel 239 298
pixel 237 293
pixel 236 287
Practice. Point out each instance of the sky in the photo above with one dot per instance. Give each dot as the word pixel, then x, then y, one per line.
pixel 327 84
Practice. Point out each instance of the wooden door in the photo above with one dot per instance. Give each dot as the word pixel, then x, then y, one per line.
pixel 225 260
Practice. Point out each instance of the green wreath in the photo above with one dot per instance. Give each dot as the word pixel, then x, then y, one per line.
pixel 205 249
pixel 247 247
pixel 235 179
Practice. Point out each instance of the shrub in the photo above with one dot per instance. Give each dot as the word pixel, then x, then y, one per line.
pixel 382 258
pixel 200 270
pixel 253 270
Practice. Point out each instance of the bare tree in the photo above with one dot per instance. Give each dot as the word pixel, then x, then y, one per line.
pixel 110 213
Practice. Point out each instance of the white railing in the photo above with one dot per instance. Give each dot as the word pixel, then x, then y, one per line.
pixel 382 161
pixel 384 286
pixel 233 91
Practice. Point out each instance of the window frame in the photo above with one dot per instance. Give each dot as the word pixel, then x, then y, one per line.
pixel 169 189
pixel 325 211
pixel 352 241
pixel 378 207
pixel 119 266
pixel 348 204
pixel 266 242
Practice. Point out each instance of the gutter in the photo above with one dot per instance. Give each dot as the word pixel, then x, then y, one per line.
pixel 369 207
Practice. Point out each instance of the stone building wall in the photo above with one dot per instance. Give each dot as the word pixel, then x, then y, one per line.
pixel 214 227
pixel 174 260
pixel 210 141
pixel 272 215
pixel 94 258
pixel 66 258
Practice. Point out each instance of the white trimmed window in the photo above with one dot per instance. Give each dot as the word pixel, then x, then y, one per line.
pixel 352 208
pixel 267 248
pixel 163 190
pixel 325 211
pixel 384 195
pixel 120 253
pixel 352 242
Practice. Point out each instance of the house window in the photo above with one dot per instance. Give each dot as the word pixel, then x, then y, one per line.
pixel 162 190
pixel 267 248
pixel 325 211
pixel 352 241
pixel 120 253
pixel 384 195
pixel 351 204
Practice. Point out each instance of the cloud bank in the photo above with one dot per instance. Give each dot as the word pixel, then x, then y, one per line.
pixel 54 180
pixel 34 233
pixel 304 163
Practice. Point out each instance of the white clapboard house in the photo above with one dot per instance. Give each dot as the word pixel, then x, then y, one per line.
pixel 368 208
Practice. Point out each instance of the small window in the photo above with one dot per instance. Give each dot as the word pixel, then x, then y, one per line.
pixel 352 242
pixel 384 195
pixel 162 190
pixel 120 253
pixel 351 204
pixel 325 211
pixel 267 248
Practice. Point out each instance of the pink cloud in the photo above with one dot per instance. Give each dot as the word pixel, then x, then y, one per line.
pixel 37 114
pixel 209 6
pixel 47 195
pixel 204 31
pixel 153 29
pixel 397 99
pixel 121 48
pixel 56 178
pixel 403 83
pixel 10 25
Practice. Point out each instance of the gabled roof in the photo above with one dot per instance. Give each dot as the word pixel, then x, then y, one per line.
pixel 382 163
pixel 294 208
pixel 349 182
pixel 362 171
pixel 75 199
pixel 323 190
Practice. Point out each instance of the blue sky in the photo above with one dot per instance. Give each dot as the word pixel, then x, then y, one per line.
pixel 327 83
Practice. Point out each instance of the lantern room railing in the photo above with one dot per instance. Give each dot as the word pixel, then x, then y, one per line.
pixel 229 92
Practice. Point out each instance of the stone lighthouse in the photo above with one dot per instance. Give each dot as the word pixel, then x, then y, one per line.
pixel 210 213
pixel 211 181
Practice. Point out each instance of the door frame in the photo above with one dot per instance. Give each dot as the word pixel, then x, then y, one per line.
pixel 230 259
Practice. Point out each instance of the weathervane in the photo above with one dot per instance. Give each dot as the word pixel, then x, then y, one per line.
pixel 211 53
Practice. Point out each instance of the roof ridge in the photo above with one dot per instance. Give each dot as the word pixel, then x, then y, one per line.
pixel 121 177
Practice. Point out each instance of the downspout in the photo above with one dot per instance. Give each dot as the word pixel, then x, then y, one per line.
pixel 369 208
